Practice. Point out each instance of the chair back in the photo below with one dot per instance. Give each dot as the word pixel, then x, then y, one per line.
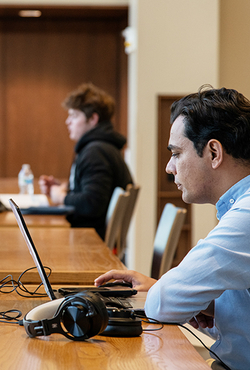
pixel 115 215
pixel 133 191
pixel 166 239
pixel 112 203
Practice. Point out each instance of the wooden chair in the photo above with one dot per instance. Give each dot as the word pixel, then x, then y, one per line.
pixel 115 216
pixel 133 191
pixel 166 239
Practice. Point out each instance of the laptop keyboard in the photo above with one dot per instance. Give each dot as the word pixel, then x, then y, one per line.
pixel 117 302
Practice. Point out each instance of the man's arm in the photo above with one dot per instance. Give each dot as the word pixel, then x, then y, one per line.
pixel 93 183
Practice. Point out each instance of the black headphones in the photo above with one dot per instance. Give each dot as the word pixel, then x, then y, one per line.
pixel 77 317
pixel 81 316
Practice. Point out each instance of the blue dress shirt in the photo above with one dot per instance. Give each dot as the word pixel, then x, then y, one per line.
pixel 217 268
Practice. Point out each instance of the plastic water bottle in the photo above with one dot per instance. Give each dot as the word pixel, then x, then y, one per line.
pixel 26 180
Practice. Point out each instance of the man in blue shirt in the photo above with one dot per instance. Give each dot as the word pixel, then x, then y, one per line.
pixel 209 142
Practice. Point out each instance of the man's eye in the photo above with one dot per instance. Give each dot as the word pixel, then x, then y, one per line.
pixel 175 154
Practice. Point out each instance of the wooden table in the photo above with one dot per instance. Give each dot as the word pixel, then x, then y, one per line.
pixel 10 186
pixel 8 219
pixel 167 349
pixel 76 256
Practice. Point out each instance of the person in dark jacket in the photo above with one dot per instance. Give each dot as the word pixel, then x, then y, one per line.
pixel 98 167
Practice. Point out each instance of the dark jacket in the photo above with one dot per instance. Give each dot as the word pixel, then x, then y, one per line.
pixel 99 168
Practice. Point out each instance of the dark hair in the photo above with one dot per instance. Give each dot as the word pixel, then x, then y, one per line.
pixel 90 99
pixel 221 114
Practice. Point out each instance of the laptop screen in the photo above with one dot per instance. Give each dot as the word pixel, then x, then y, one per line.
pixel 32 249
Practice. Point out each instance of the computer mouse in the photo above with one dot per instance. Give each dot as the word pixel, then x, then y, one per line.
pixel 117 284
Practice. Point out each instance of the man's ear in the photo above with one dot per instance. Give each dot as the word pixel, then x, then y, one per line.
pixel 93 120
pixel 216 152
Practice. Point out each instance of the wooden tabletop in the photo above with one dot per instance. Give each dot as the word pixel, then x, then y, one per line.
pixel 8 219
pixel 75 255
pixel 158 350
pixel 10 186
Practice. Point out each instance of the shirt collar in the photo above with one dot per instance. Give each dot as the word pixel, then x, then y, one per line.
pixel 228 199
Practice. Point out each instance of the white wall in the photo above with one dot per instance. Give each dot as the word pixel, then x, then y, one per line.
pixel 177 52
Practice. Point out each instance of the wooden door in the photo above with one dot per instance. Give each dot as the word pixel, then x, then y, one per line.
pixel 167 191
pixel 41 61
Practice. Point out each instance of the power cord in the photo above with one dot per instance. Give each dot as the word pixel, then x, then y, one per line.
pixel 204 345
pixel 8 316
pixel 9 285
pixel 149 320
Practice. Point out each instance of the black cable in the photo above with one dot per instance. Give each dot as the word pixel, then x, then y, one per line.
pixel 9 285
pixel 5 283
pixel 35 293
pixel 154 321
pixel 149 320
pixel 9 315
pixel 204 345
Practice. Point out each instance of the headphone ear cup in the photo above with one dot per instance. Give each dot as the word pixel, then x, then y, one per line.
pixel 83 315
pixel 122 323
pixel 75 321
pixel 100 321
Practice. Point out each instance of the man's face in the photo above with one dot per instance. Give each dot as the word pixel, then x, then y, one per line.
pixel 77 124
pixel 192 173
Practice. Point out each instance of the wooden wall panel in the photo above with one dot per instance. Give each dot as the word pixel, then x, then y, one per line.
pixel 2 125
pixel 167 191
pixel 42 60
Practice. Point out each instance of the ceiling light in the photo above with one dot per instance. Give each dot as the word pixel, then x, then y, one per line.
pixel 30 13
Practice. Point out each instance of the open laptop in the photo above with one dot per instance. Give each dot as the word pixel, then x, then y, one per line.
pixel 115 297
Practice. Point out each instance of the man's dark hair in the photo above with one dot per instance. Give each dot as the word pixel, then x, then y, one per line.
pixel 90 99
pixel 221 114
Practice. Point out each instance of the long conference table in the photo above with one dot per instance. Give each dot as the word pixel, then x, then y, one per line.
pixel 76 257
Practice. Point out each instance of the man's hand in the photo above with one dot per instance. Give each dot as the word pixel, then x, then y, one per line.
pixel 45 183
pixel 202 320
pixel 205 319
pixel 58 194
pixel 139 281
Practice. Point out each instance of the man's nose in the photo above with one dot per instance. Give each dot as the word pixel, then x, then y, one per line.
pixel 170 168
